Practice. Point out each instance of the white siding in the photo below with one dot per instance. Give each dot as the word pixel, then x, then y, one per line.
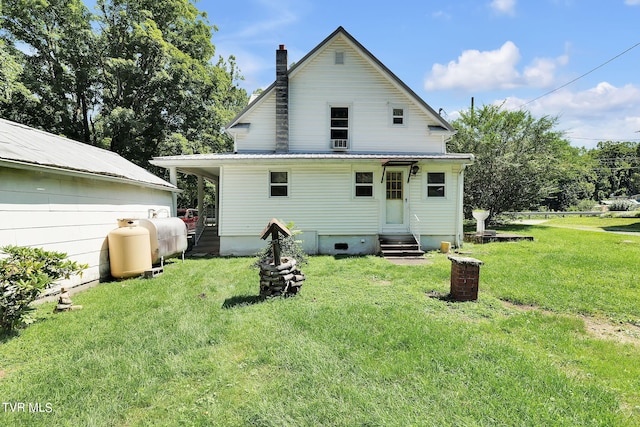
pixel 370 95
pixel 320 199
pixel 438 216
pixel 367 92
pixel 68 214
pixel 262 131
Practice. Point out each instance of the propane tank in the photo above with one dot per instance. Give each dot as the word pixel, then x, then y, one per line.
pixel 129 249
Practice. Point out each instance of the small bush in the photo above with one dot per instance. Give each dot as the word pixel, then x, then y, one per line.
pixel 24 274
pixel 622 205
pixel 289 247
pixel 584 206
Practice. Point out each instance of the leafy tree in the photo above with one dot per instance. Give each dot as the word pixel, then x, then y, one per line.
pixel 58 60
pixel 516 155
pixel 617 168
pixel 574 177
pixel 139 77
pixel 162 94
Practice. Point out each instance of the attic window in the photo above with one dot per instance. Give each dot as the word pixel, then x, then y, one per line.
pixel 398 115
pixel 339 59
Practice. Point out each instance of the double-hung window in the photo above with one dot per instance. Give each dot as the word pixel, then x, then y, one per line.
pixel 278 184
pixel 364 184
pixel 339 128
pixel 435 184
pixel 397 116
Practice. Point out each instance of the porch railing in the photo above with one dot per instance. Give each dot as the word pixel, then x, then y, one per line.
pixel 414 223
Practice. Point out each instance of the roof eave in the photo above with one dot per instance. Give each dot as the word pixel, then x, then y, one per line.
pixel 16 164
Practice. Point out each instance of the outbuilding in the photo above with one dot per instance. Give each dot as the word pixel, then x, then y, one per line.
pixel 66 196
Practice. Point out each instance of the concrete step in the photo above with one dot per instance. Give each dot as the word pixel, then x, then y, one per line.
pixel 399 246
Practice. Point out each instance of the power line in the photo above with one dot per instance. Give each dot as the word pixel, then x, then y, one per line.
pixel 583 75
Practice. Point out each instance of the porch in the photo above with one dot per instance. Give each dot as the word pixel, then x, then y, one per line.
pixel 208 244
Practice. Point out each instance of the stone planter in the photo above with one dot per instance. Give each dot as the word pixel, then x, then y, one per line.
pixel 280 280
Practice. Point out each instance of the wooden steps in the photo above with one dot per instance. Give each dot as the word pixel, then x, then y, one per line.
pixel 399 246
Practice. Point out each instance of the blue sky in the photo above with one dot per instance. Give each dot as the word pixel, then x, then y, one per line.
pixel 510 51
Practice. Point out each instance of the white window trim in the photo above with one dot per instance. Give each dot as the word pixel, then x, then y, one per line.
pixel 426 185
pixel 355 184
pixel 288 184
pixel 349 107
pixel 404 115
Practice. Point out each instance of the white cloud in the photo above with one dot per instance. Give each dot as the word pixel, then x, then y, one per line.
pixel 504 7
pixel 632 2
pixel 604 112
pixel 495 69
pixel 475 69
pixel 441 15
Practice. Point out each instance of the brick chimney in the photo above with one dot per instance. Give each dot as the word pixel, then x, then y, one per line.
pixel 282 101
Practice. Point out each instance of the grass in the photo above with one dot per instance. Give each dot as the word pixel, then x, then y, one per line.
pixel 366 343
pixel 607 223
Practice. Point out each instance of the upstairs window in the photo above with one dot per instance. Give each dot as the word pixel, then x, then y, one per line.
pixel 397 116
pixel 278 184
pixel 364 184
pixel 435 184
pixel 339 58
pixel 339 128
pixel 339 122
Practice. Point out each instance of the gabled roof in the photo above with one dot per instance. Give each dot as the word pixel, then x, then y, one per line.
pixel 25 147
pixel 393 79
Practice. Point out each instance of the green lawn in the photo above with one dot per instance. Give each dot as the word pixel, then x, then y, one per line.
pixel 366 343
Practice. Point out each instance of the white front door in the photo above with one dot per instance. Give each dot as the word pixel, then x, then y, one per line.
pixel 395 198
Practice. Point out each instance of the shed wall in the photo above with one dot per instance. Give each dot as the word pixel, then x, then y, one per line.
pixel 70 214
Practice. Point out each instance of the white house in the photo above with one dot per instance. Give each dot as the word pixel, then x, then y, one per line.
pixel 66 196
pixel 343 148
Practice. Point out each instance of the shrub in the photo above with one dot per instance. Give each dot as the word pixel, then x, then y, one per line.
pixel 24 274
pixel 584 206
pixel 622 205
pixel 289 247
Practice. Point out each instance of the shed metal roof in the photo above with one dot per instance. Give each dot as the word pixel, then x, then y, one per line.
pixel 23 146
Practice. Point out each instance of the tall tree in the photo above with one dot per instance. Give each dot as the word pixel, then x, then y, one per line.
pixel 617 168
pixel 57 48
pixel 162 93
pixel 515 158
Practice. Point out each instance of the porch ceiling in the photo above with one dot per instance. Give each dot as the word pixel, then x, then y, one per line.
pixel 207 172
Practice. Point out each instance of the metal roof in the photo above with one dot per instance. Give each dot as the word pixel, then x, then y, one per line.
pixel 22 146
pixel 221 157
pixel 209 165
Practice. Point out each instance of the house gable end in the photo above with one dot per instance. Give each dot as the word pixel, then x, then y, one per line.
pixel 341 77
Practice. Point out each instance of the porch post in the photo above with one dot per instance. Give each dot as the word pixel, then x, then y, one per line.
pixel 173 178
pixel 200 206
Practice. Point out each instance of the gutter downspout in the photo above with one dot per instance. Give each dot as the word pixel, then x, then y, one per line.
pixel 459 205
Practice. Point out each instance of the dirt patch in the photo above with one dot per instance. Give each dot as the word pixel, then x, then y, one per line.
pixel 2 373
pixel 624 333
